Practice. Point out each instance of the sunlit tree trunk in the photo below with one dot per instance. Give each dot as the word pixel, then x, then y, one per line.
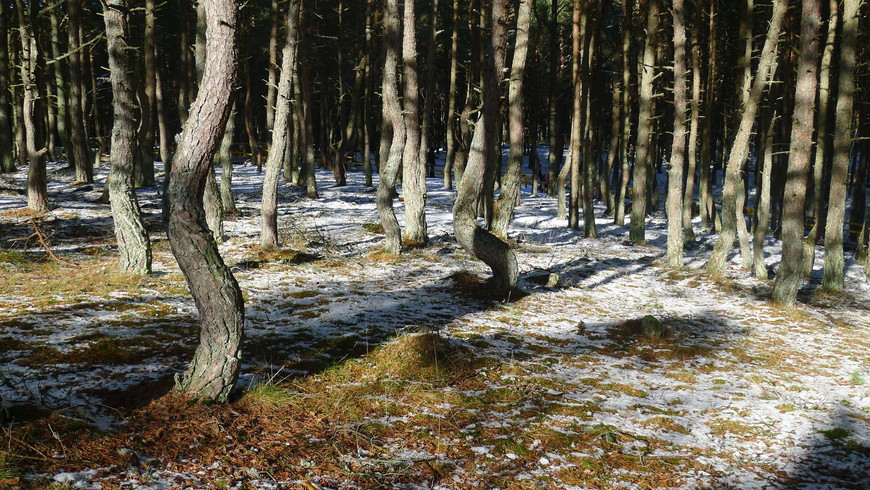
pixel 578 35
pixel 31 66
pixel 391 149
pixel 762 211
pixel 834 263
pixel 482 244
pixel 624 151
pixel 740 148
pixel 694 124
pixel 413 168
pixel 790 273
pixel 705 190
pixel 510 190
pixel 451 99
pixel 224 159
pixel 280 132
pixel 133 244
pixel 675 166
pixel 214 369
pixel 643 159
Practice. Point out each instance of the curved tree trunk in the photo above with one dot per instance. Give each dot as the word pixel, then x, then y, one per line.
pixel 833 278
pixel 280 133
pixel 390 163
pixel 413 167
pixel 482 244
pixel 740 148
pixel 510 189
pixel 675 166
pixel 37 188
pixel 224 158
pixel 790 271
pixel 133 244
pixel 214 369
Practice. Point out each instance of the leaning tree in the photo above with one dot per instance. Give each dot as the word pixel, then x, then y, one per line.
pixel 215 366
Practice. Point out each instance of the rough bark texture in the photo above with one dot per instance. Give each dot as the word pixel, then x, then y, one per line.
pixel 740 148
pixel 391 162
pixel 77 97
pixel 705 191
pixel 31 61
pixel 214 369
pixel 224 159
pixel 450 158
pixel 578 33
pixel 833 278
pixel 643 158
pixel 7 148
pixel 413 167
pixel 280 133
pixel 482 244
pixel 510 185
pixel 134 246
pixel 675 166
pixel 148 97
pixel 789 275
pixel 692 150
pixel 624 151
pixel 762 211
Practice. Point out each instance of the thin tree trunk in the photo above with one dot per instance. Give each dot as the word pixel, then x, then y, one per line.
pixel 689 193
pixel 7 146
pixel 413 168
pixel 643 160
pixel 789 275
pixel 675 166
pixel 392 116
pixel 554 157
pixel 162 124
pixel 624 151
pixel 37 188
pixel 510 190
pixel 578 36
pixel 740 148
pixel 214 369
pixel 134 246
pixel 80 148
pixel 762 206
pixel 705 191
pixel 451 99
pixel 429 95
pixel 60 87
pixel 272 84
pixel 280 131
pixel 590 128
pixel 482 244
pixel 145 171
pixel 224 159
pixel 834 263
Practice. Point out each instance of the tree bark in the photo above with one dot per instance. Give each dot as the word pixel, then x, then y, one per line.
pixel 624 147
pixel 413 168
pixel 643 159
pixel 7 146
pixel 280 132
pixel 482 244
pixel 224 159
pixel 674 203
pixel 60 86
pixel 214 369
pixel 578 35
pixel 134 246
pixel 392 115
pixel 762 211
pixel 450 158
pixel 705 190
pixel 148 97
pixel 510 189
pixel 31 66
pixel 834 263
pixel 789 275
pixel 77 96
pixel 740 148
pixel 694 123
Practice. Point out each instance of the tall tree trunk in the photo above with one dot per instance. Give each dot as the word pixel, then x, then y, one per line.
pixel 643 160
pixel 705 190
pixel 162 124
pixel 578 34
pixel 31 65
pixel 306 112
pixel 833 279
pixel 7 147
pixel 450 158
pixel 391 153
pixel 60 86
pixel 429 94
pixel 148 98
pixel 272 83
pixel 214 369
pixel 590 128
pixel 554 157
pixel 789 275
pixel 80 148
pixel 510 190
pixel 280 131
pixel 675 166
pixel 740 148
pixel 762 206
pixel 624 147
pixel 482 244
pixel 413 168
pixel 133 244
pixel 689 192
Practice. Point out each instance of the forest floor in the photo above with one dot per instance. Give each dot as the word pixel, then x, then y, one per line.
pixel 365 370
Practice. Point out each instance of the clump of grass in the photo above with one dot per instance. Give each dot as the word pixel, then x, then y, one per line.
pixel 9 470
pixel 374 228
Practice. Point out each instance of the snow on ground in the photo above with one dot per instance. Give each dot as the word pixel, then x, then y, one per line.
pixel 757 394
